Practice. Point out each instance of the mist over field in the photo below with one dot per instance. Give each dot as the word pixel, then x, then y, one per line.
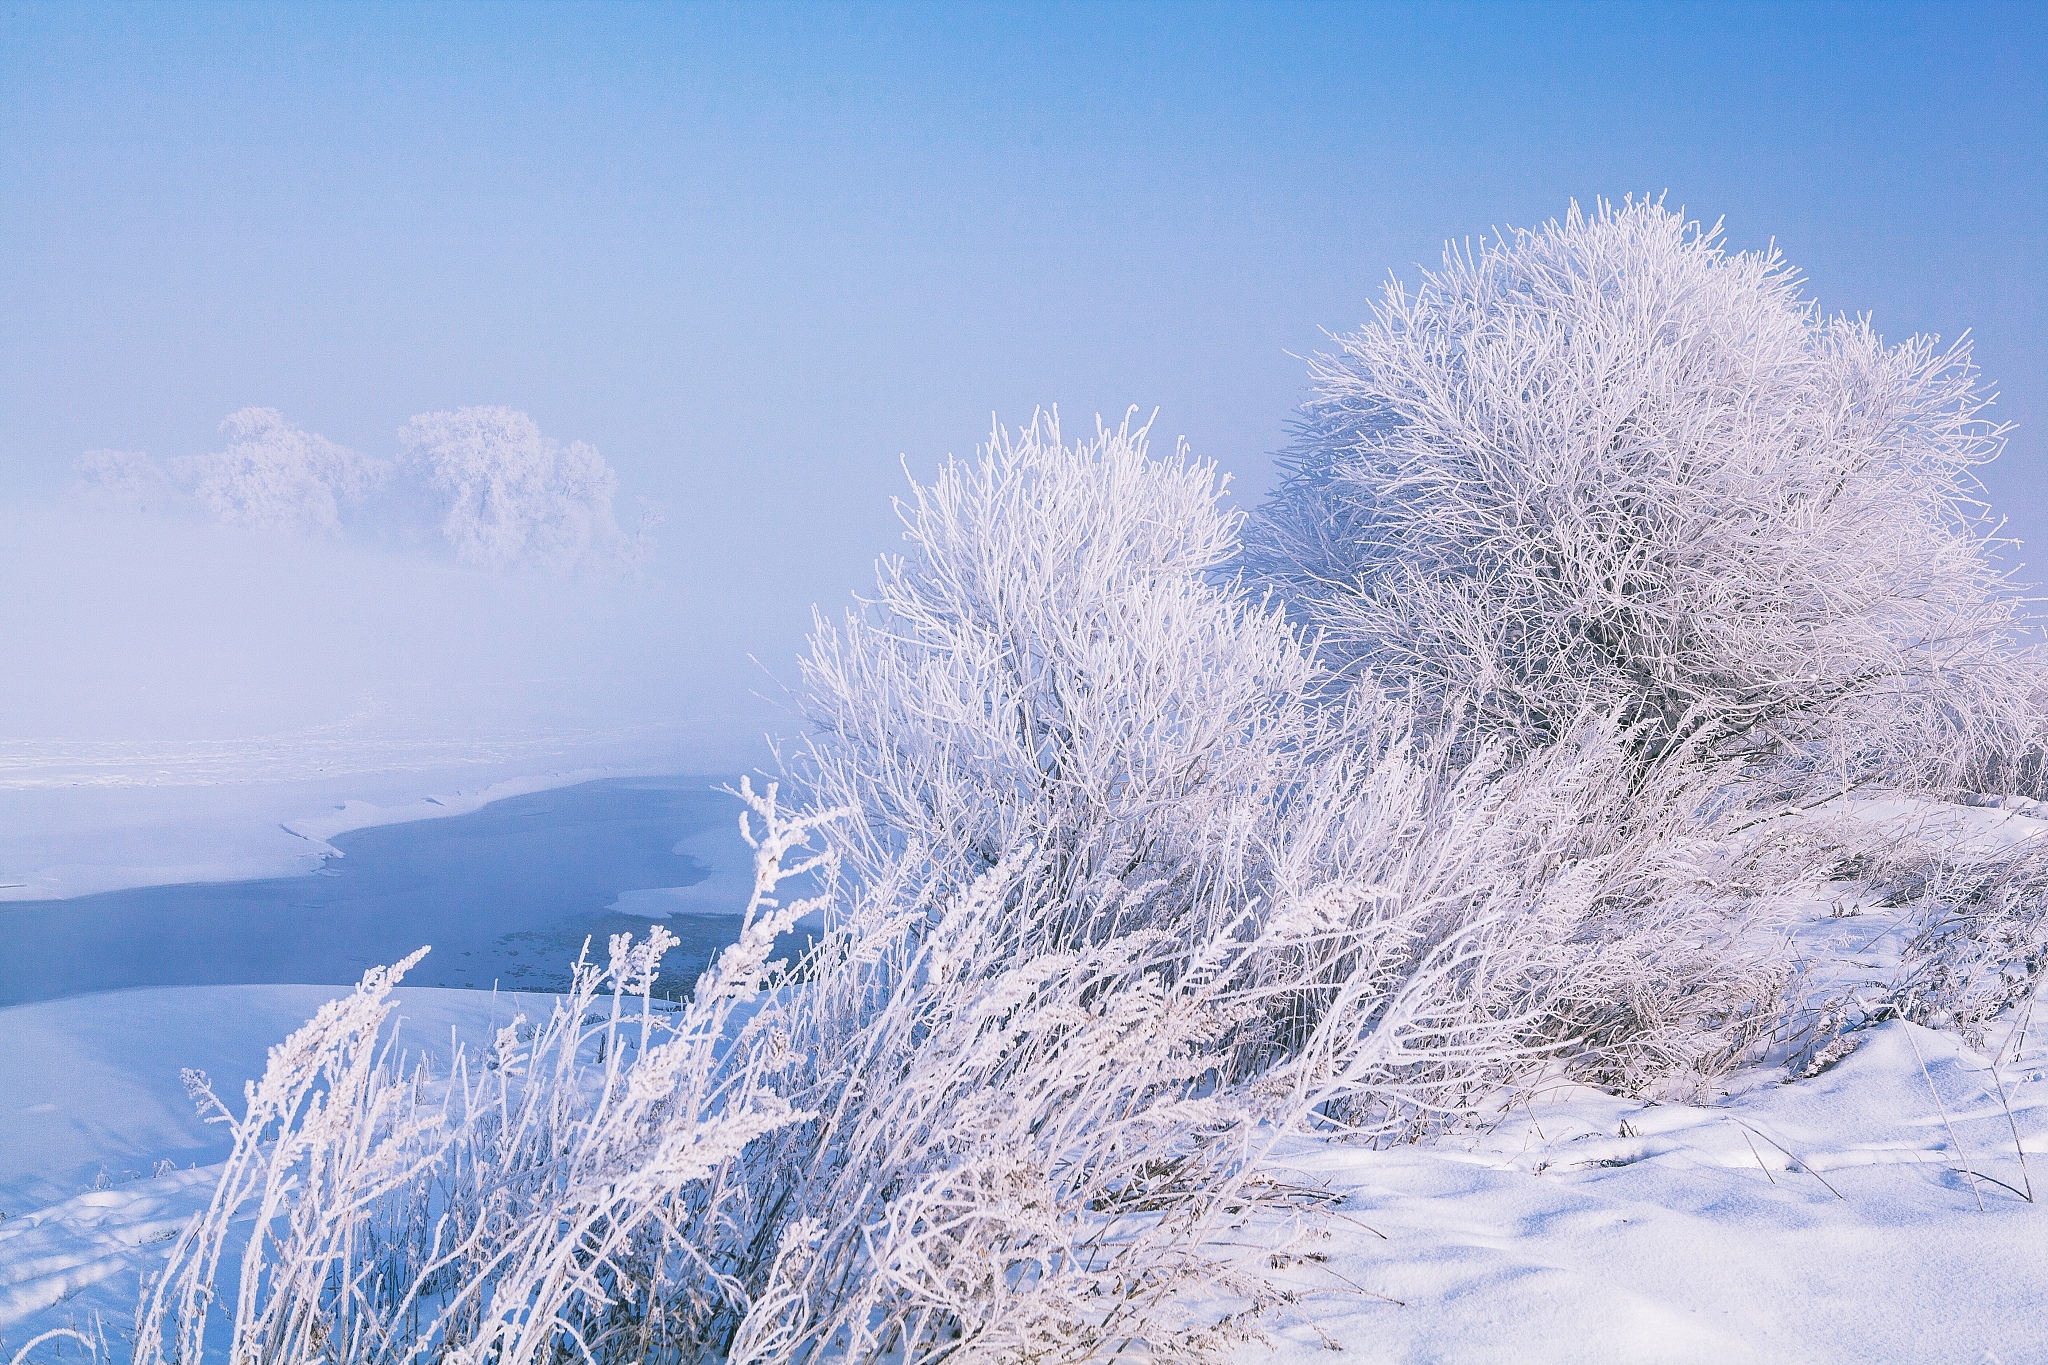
pixel 284 585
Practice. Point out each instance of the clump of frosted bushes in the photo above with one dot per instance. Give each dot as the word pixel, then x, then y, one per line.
pixel 1136 855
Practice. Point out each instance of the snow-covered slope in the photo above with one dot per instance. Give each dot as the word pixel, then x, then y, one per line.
pixel 1875 1211
pixel 1836 1218
pixel 103 1155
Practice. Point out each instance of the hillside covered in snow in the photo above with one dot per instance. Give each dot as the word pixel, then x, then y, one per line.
pixel 1561 879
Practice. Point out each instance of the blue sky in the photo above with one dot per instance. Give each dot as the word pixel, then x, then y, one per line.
pixel 755 254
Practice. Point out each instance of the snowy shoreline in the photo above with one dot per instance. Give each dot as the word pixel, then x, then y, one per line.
pixel 77 820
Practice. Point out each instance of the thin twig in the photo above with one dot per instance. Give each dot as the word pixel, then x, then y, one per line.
pixel 1758 1155
pixel 1994 1180
pixel 2026 1177
pixel 1953 1141
pixel 1367 1226
pixel 1800 1161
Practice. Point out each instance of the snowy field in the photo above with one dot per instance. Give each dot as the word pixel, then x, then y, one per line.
pixel 78 818
pixel 1877 1211
pixel 1872 1213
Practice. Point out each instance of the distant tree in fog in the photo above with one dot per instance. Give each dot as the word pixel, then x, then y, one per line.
pixel 513 495
pixel 277 477
pixel 127 479
pixel 498 491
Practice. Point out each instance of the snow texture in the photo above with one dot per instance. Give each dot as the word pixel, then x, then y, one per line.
pixel 1823 1220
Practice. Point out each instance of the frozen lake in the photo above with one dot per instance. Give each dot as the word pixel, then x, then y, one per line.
pixel 505 894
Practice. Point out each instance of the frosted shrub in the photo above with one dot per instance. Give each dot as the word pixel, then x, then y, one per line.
pixel 1056 662
pixel 1973 920
pixel 1132 894
pixel 1125 899
pixel 1445 924
pixel 1019 1148
pixel 1607 466
pixel 1029 1148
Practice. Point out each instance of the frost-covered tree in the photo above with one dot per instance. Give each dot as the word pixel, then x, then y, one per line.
pixel 1055 664
pixel 1610 466
pixel 514 496
pixel 128 480
pixel 274 476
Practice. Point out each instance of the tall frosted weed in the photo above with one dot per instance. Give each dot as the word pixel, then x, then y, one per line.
pixel 556 1191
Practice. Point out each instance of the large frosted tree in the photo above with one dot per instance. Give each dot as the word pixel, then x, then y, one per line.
pixel 514 496
pixel 1608 465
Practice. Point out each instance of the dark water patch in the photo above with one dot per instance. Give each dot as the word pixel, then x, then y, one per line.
pixel 506 895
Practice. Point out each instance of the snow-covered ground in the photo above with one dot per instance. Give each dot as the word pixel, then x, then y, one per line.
pixel 80 818
pixel 1871 1213
pixel 1877 1211
pixel 1836 1218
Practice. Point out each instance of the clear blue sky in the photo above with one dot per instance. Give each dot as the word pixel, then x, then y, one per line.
pixel 755 253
